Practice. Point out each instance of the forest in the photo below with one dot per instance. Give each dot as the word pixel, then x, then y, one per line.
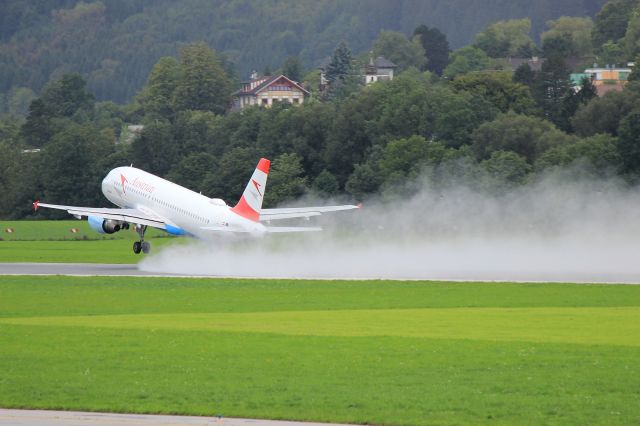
pixel 114 44
pixel 449 117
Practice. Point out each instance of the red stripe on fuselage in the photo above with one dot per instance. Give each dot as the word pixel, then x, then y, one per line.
pixel 244 209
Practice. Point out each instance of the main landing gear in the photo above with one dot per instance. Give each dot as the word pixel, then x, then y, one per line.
pixel 142 245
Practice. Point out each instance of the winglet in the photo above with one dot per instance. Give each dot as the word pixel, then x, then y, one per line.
pixel 250 203
pixel 35 205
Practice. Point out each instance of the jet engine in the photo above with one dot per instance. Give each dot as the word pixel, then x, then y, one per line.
pixel 106 226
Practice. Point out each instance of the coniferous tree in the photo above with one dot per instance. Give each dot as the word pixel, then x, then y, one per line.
pixel 292 68
pixel 436 48
pixel 341 73
pixel 552 86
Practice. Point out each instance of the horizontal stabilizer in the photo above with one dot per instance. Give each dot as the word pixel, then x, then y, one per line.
pixel 300 212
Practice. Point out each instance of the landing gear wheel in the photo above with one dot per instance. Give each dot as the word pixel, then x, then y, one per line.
pixel 137 247
pixel 146 247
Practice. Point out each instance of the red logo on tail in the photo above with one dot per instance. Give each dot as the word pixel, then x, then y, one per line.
pixel 257 185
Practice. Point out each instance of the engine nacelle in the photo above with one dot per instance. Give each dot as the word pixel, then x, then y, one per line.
pixel 105 226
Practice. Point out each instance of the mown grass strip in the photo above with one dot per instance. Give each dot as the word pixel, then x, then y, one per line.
pixel 587 326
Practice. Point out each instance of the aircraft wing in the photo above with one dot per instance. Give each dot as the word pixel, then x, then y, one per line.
pixel 135 216
pixel 294 212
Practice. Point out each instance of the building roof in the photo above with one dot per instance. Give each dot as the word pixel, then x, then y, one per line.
pixel 535 63
pixel 266 83
pixel 382 62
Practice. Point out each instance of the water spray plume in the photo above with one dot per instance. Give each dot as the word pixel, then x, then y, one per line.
pixel 552 230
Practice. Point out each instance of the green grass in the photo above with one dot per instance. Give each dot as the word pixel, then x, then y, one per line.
pixel 51 241
pixel 61 230
pixel 401 353
pixel 104 251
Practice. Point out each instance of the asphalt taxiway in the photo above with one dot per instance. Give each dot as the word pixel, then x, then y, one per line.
pixel 76 418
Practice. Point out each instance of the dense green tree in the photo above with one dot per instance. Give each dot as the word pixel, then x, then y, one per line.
pixel 635 72
pixel 18 101
pixel 436 48
pixel 19 177
pixel 364 180
pixel 406 158
pixel 610 24
pixel 551 87
pixel 341 64
pixel 192 170
pixel 574 30
pixel 574 100
pixel 61 98
pixel 526 136
pixel 326 184
pixel 524 75
pixel 157 96
pixel 70 166
pixel 195 131
pixel 341 73
pixel 203 85
pixel 465 60
pixel 65 96
pixel 611 53
pixel 398 49
pixel 506 38
pixel 559 46
pixel 631 40
pixel 286 179
pixel 292 68
pixel 597 155
pixel 603 115
pixel 231 175
pixel 497 91
pixel 37 129
pixel 506 169
pixel 155 149
pixel 629 142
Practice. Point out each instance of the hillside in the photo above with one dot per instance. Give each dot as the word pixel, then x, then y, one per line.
pixel 114 43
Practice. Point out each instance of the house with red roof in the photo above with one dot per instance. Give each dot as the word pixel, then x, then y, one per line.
pixel 267 90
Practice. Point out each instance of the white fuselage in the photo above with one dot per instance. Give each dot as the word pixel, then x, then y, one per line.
pixel 186 210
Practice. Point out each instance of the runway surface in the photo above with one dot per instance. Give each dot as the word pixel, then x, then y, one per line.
pixel 131 270
pixel 73 418
pixel 77 269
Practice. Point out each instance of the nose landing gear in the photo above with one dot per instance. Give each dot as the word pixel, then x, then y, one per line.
pixel 142 245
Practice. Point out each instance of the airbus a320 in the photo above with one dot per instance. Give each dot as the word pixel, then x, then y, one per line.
pixel 145 200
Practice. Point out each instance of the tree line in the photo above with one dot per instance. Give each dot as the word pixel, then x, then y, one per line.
pixel 487 128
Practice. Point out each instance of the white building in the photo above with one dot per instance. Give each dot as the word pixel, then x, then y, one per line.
pixel 267 90
pixel 379 69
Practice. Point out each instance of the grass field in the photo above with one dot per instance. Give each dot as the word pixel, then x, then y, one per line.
pixel 397 353
pixel 52 241
pixel 64 230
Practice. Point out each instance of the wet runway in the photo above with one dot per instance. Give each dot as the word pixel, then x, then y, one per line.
pixel 76 418
pixel 132 270
pixel 78 269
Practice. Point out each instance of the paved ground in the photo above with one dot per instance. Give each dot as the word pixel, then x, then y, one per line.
pixel 99 269
pixel 72 269
pixel 74 418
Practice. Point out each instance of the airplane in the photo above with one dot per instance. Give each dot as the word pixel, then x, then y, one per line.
pixel 147 200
